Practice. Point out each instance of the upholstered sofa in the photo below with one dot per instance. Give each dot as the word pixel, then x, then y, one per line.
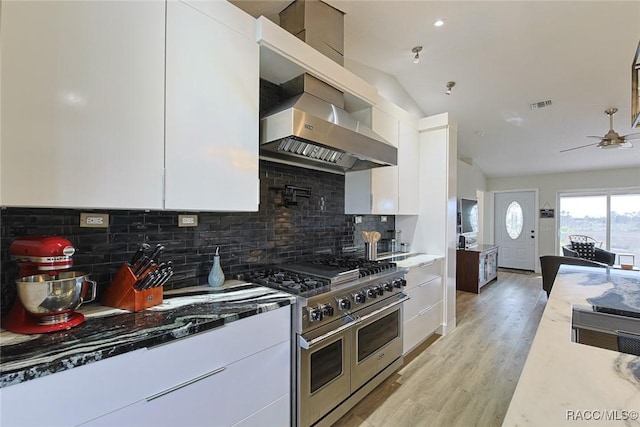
pixel 601 256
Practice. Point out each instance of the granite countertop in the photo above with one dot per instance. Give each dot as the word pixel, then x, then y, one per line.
pixel 109 331
pixel 566 383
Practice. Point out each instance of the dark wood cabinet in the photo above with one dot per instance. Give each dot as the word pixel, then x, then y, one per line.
pixel 476 267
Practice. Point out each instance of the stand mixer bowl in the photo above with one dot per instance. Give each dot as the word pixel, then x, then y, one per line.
pixel 54 299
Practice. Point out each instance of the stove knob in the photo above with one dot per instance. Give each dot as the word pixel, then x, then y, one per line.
pixel 372 293
pixel 359 298
pixel 315 314
pixel 388 286
pixel 344 303
pixel 327 310
pixel 398 283
pixel 379 290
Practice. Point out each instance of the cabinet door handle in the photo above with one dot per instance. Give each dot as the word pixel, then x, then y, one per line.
pixel 426 264
pixel 424 311
pixel 428 282
pixel 186 383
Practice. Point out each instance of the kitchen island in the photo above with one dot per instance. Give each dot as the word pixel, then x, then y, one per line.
pixel 566 383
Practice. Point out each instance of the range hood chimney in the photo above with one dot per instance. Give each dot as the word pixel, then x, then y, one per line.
pixel 310 128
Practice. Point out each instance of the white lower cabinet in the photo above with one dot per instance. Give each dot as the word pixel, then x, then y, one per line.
pixel 222 377
pixel 221 397
pixel 273 415
pixel 420 327
pixel 422 314
pixel 73 396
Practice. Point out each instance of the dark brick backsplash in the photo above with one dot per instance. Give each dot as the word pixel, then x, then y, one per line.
pixel 275 234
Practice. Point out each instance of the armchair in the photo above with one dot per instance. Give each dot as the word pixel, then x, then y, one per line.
pixel 601 256
pixel 549 264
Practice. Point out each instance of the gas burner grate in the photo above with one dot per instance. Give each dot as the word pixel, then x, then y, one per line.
pixel 287 281
pixel 366 267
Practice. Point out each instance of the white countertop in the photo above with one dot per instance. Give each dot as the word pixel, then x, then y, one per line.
pixel 566 383
pixel 408 260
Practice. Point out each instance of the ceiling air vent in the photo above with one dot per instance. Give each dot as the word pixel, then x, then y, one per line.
pixel 541 104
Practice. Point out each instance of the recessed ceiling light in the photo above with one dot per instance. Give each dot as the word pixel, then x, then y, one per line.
pixel 439 23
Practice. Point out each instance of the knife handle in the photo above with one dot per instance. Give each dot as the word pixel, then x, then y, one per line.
pixel 156 252
pixel 165 279
pixel 143 266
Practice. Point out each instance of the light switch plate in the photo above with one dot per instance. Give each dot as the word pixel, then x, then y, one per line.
pixel 96 220
pixel 187 220
pixel 383 219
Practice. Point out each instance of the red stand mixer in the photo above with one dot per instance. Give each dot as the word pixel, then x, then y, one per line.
pixel 48 293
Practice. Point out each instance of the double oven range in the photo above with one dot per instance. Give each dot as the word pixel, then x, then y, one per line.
pixel 346 331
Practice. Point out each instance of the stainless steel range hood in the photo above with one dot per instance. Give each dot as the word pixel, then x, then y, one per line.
pixel 311 128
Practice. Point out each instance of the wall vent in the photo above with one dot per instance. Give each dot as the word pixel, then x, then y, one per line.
pixel 541 104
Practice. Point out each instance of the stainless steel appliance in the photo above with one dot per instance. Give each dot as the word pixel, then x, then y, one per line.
pixel 48 293
pixel 310 127
pixel 606 327
pixel 347 331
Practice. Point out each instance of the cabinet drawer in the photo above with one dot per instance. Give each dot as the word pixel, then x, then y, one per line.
pixel 277 414
pixel 223 399
pixel 424 273
pixel 97 388
pixel 196 355
pixel 422 296
pixel 418 328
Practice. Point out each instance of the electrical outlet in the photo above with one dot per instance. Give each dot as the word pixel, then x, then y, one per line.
pixel 357 220
pixel 383 219
pixel 187 220
pixel 97 220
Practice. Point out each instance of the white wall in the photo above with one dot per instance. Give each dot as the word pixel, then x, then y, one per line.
pixel 551 184
pixel 472 184
pixel 387 85
pixel 470 180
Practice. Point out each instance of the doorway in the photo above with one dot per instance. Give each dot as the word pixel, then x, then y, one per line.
pixel 515 229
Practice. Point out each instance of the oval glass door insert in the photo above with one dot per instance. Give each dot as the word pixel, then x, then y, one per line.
pixel 514 220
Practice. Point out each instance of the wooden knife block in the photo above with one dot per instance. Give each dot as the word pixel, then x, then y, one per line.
pixel 122 294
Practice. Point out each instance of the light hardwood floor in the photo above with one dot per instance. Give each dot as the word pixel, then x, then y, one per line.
pixel 466 378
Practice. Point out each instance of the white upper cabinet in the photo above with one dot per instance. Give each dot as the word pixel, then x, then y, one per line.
pixel 408 168
pixel 82 104
pixel 212 99
pixel 388 190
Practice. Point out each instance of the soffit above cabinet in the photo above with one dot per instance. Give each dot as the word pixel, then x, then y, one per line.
pixel 283 57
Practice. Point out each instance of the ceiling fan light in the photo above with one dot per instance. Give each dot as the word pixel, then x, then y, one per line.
pixel 609 144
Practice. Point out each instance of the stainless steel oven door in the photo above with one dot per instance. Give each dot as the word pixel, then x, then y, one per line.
pixel 377 339
pixel 324 356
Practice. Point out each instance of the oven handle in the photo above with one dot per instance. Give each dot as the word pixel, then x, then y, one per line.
pixel 385 308
pixel 307 344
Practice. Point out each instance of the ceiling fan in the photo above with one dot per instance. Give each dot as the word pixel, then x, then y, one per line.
pixel 612 139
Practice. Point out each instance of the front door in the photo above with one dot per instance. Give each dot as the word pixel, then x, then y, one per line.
pixel 515 230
